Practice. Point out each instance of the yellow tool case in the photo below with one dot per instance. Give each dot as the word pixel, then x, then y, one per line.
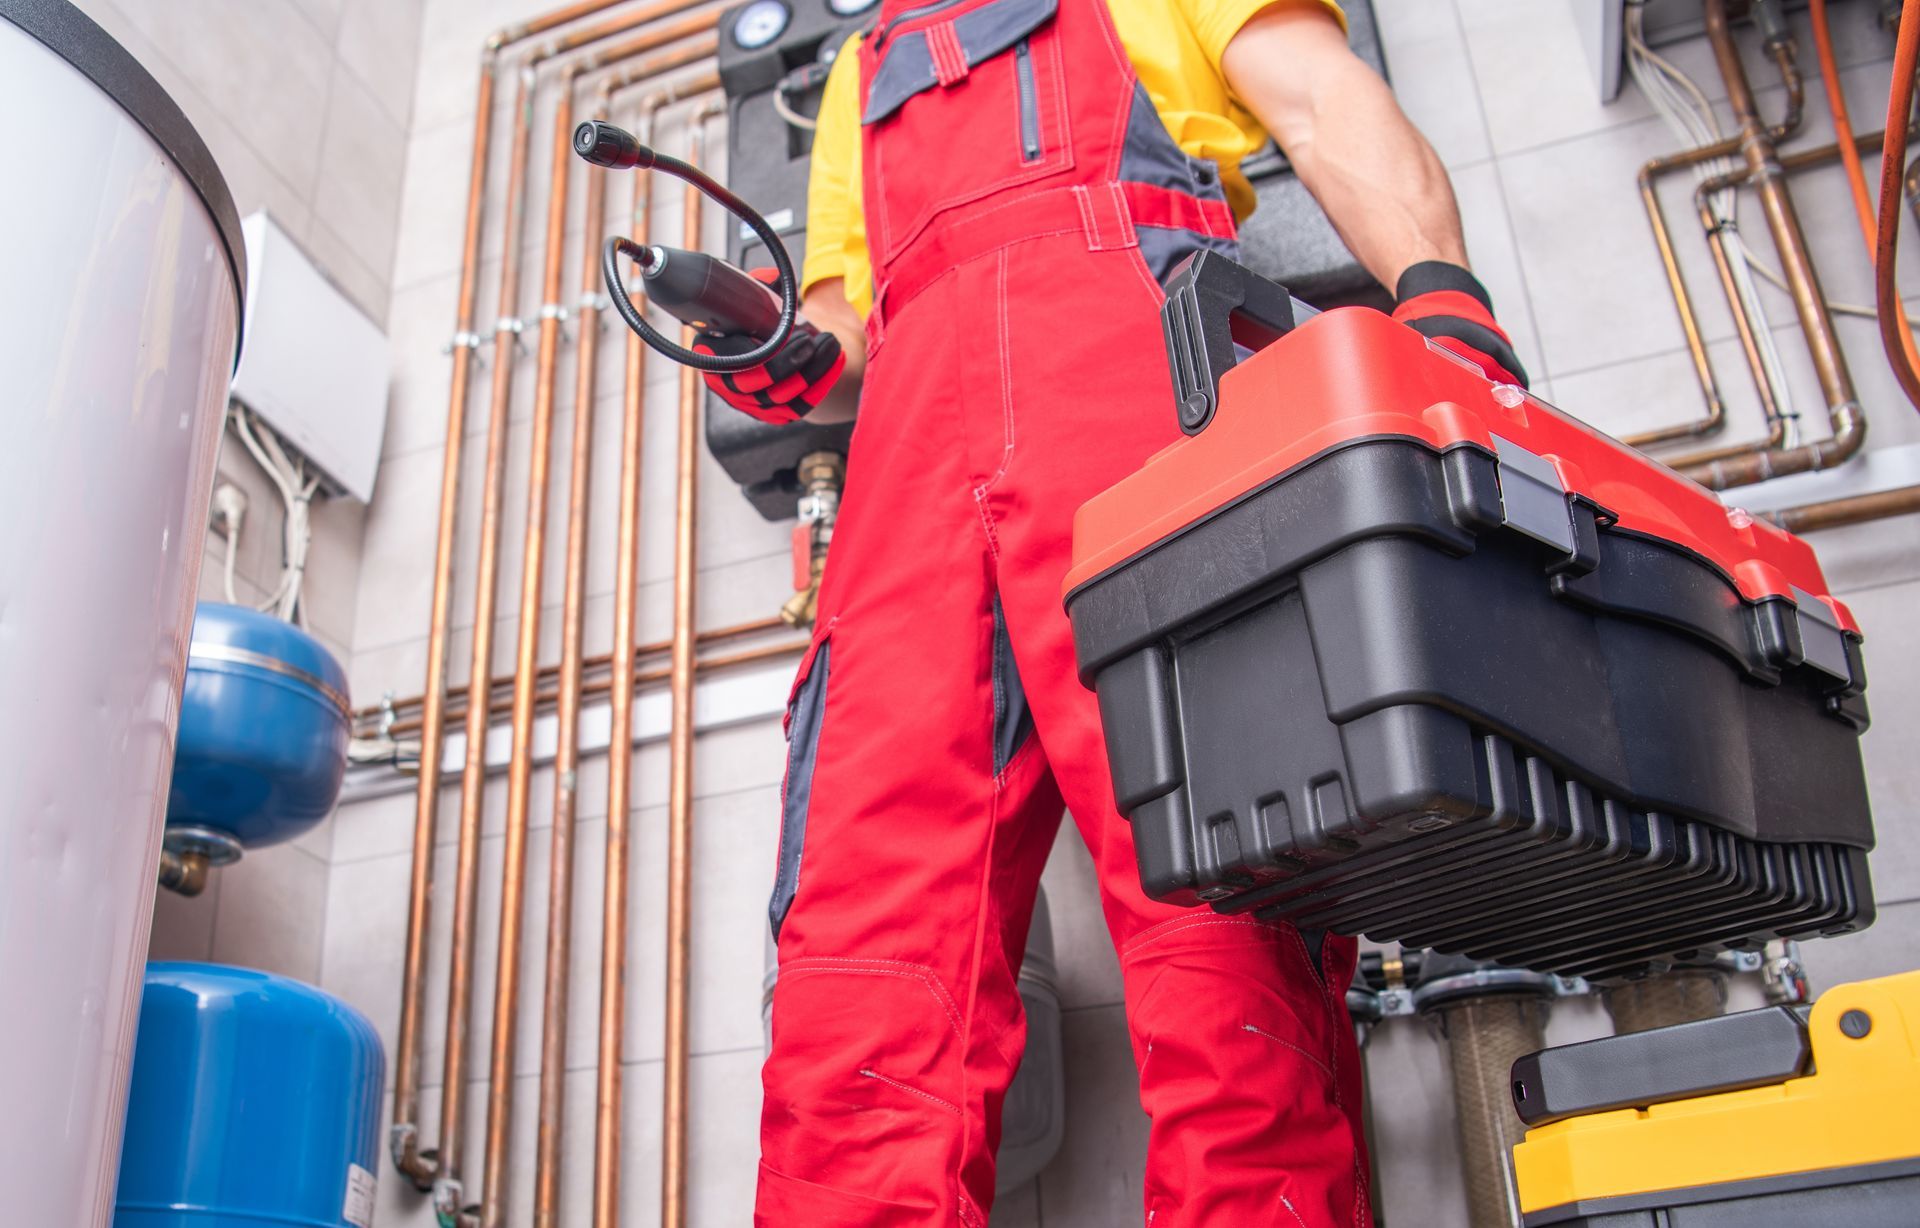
pixel 1777 1118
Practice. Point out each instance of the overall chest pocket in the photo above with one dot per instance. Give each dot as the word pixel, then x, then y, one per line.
pixel 963 101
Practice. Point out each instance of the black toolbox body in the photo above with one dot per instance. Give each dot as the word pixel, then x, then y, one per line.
pixel 1414 683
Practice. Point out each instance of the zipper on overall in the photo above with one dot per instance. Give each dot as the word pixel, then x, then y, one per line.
pixel 1029 102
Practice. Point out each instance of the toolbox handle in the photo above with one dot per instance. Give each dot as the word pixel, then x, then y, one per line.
pixel 1212 303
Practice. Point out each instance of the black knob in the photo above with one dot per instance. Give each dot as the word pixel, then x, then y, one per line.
pixel 605 145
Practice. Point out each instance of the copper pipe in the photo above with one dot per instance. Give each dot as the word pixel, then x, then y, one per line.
pixel 613 923
pixel 1853 509
pixel 1742 320
pixel 673 1168
pixel 566 755
pixel 513 874
pixel 375 718
pixel 1790 121
pixel 447 1187
pixel 1769 180
pixel 405 1132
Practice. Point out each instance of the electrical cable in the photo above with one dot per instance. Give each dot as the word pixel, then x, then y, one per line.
pixel 602 144
pixel 1897 341
pixel 1687 112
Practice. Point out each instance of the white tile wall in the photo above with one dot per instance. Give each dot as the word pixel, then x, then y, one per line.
pixel 1545 180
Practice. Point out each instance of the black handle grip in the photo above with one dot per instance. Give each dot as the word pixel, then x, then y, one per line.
pixel 1213 302
pixel 713 296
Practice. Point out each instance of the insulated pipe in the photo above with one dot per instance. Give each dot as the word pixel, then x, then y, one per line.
pixel 673 1168
pixel 1658 168
pixel 1683 995
pixel 1902 337
pixel 513 875
pixel 1894 333
pixel 1768 177
pixel 404 1141
pixel 1485 1035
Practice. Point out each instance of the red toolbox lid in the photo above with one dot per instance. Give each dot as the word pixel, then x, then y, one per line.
pixel 1355 374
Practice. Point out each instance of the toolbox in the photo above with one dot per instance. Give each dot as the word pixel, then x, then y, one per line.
pixel 1774 1118
pixel 1383 647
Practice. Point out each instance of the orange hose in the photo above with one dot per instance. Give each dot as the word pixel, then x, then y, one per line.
pixel 1902 354
pixel 1895 336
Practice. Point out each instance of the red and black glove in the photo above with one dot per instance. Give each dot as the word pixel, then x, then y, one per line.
pixel 786 387
pixel 1448 305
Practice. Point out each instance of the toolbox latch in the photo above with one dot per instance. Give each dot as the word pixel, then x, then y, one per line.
pixel 1212 305
pixel 1822 642
pixel 1532 498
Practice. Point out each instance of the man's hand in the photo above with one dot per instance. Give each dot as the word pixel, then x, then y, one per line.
pixel 786 387
pixel 1448 305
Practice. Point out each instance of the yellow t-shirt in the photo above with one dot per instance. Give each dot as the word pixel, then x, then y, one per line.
pixel 1175 46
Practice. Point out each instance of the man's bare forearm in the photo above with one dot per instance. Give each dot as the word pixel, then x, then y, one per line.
pixel 827 307
pixel 1378 179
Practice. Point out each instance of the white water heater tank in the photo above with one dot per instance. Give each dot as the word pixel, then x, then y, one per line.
pixel 121 266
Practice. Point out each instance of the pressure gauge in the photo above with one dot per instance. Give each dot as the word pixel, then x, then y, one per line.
pixel 760 23
pixel 847 8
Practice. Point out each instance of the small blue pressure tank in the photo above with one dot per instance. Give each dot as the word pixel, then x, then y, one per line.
pixel 263 729
pixel 255 1103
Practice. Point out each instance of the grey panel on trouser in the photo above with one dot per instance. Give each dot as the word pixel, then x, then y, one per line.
pixel 1150 155
pixel 1012 718
pixel 1163 248
pixel 803 745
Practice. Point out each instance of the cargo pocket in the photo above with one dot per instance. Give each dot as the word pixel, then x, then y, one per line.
pixel 806 708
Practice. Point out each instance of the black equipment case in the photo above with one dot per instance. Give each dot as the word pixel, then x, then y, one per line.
pixel 1385 648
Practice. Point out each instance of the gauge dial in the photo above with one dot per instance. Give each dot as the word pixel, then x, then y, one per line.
pixel 847 8
pixel 760 23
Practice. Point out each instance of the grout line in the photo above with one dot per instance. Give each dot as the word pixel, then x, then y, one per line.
pixel 1545 373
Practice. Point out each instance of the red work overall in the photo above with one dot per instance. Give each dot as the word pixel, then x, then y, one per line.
pixel 1022 197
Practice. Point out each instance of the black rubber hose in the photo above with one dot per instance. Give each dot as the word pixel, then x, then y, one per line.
pixel 789 284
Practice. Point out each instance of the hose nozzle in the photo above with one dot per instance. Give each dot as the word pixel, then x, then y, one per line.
pixel 605 145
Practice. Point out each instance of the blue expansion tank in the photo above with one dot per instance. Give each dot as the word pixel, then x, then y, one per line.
pixel 255 1103
pixel 263 730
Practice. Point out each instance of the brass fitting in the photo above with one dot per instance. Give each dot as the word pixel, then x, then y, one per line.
pixel 185 873
pixel 822 476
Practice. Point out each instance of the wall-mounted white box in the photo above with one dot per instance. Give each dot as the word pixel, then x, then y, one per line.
pixel 311 364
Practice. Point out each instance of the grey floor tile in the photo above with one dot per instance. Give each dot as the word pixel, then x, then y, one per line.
pixel 1095 1180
